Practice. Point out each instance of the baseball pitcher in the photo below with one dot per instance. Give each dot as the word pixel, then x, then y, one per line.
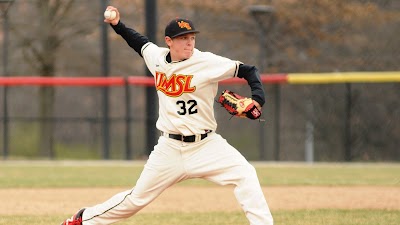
pixel 186 80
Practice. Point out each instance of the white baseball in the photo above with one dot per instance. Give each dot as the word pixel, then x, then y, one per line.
pixel 110 14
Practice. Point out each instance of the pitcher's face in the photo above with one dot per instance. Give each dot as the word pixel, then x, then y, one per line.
pixel 181 47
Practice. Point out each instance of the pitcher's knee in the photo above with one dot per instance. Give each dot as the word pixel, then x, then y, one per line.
pixel 250 171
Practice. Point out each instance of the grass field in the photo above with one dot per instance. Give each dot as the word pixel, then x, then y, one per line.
pixel 46 192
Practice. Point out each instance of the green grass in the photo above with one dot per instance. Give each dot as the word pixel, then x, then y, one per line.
pixel 122 173
pixel 47 174
pixel 331 174
pixel 337 217
pixel 297 217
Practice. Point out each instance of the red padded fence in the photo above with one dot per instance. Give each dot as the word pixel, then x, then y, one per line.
pixel 112 81
pixel 278 78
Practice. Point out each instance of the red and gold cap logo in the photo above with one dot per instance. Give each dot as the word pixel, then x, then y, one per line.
pixel 183 24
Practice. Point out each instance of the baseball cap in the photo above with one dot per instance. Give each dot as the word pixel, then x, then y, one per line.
pixel 178 27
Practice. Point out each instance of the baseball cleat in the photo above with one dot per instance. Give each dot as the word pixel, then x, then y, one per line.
pixel 75 219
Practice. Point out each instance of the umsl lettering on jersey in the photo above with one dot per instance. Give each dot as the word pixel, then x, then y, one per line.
pixel 175 85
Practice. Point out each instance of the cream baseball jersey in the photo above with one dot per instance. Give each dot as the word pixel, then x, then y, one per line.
pixel 186 89
pixel 186 92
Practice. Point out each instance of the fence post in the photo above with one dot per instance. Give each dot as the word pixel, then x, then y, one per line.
pixel 5 5
pixel 347 125
pixel 151 106
pixel 309 142
pixel 105 62
pixel 263 16
pixel 128 152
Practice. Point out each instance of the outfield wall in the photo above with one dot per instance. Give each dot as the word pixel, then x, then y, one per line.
pixel 309 116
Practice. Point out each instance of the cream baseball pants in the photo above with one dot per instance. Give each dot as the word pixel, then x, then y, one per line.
pixel 172 161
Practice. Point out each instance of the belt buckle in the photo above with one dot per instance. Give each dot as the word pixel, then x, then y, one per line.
pixel 182 138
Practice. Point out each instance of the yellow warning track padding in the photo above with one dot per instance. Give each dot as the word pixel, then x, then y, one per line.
pixel 344 77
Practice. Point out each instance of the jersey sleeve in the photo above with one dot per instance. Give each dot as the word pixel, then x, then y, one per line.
pixel 134 39
pixel 151 54
pixel 221 68
pixel 252 76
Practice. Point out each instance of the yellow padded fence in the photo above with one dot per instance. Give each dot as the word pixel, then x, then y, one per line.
pixel 344 77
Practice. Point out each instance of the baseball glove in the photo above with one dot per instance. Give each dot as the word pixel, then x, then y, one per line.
pixel 239 106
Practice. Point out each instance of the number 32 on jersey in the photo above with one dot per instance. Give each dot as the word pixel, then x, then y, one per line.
pixel 188 107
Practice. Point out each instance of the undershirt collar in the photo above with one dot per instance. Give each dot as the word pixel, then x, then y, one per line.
pixel 169 60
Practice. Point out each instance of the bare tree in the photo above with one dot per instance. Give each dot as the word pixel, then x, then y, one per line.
pixel 53 22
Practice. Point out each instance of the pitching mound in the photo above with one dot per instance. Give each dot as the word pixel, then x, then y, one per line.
pixel 199 199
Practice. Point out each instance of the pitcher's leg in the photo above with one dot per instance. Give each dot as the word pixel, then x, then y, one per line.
pixel 162 170
pixel 114 209
pixel 249 194
pixel 221 163
pixel 125 204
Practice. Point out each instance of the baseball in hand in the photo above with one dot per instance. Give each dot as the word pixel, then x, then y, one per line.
pixel 110 14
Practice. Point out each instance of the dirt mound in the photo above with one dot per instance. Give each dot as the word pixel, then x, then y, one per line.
pixel 44 201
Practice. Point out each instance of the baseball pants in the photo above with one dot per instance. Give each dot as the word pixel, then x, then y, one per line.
pixel 172 161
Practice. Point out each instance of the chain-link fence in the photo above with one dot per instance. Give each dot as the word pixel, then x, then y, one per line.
pixel 349 121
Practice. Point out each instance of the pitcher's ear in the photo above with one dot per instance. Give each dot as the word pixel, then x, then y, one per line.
pixel 168 41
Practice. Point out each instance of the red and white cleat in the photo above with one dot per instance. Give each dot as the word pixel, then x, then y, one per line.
pixel 75 219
